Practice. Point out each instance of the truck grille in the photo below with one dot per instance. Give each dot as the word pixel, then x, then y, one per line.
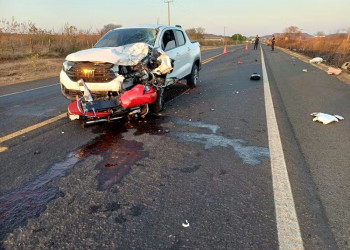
pixel 91 72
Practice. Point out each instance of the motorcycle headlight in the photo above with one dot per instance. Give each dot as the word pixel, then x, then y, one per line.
pixel 66 66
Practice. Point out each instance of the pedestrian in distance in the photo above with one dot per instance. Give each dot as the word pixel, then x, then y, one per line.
pixel 256 42
pixel 273 40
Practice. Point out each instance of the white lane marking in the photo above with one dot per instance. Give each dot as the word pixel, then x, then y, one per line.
pixel 29 90
pixel 289 236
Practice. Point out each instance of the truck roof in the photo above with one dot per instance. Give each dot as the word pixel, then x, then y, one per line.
pixel 151 26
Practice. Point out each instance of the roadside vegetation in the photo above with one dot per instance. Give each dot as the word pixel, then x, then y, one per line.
pixel 29 52
pixel 335 49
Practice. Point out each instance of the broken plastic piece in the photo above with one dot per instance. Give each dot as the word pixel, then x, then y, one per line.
pixel 240 62
pixel 165 65
pixel 326 118
pixel 346 66
pixel 87 94
pixel 255 76
pixel 317 60
pixel 304 70
pixel 333 71
pixel 186 224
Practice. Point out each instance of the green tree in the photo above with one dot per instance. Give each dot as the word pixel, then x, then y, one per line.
pixel 238 37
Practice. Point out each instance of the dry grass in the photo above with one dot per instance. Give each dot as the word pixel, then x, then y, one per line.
pixel 334 49
pixel 23 70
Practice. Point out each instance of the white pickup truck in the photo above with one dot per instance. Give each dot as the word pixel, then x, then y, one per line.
pixel 111 65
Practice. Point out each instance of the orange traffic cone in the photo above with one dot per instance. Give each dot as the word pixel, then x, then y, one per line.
pixel 246 46
pixel 225 50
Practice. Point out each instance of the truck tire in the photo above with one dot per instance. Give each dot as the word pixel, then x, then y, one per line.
pixel 158 105
pixel 193 78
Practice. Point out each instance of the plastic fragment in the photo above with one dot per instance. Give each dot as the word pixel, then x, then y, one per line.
pixel 240 62
pixel 186 223
pixel 212 109
pixel 333 71
pixel 326 118
pixel 304 70
pixel 346 66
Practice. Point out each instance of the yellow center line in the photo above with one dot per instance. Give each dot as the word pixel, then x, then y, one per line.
pixel 41 124
pixel 3 149
pixel 207 61
pixel 210 58
pixel 31 128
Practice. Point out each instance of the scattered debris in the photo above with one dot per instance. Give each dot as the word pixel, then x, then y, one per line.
pixel 304 70
pixel 333 71
pixel 167 131
pixel 235 92
pixel 346 66
pixel 240 62
pixel 186 224
pixel 326 118
pixel 37 152
pixel 317 60
pixel 62 132
pixel 212 109
pixel 255 76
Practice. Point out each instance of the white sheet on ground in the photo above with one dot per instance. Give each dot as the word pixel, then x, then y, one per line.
pixel 316 60
pixel 326 118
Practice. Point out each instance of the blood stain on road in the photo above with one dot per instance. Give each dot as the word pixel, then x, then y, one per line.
pixel 29 200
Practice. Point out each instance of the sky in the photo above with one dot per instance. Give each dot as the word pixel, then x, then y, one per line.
pixel 246 17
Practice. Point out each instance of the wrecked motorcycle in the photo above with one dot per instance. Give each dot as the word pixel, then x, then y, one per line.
pixel 142 88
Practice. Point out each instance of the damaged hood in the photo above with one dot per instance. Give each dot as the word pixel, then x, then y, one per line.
pixel 127 55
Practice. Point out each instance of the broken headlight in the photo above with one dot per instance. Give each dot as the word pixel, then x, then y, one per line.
pixel 115 69
pixel 67 66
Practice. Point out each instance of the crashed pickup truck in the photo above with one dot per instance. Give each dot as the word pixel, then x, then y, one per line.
pixel 127 70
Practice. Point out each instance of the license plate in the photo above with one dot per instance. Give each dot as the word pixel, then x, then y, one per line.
pixel 74 117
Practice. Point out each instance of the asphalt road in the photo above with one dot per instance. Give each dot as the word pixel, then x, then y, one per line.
pixel 196 176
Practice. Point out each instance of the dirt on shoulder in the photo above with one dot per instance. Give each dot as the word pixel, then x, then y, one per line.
pixel 28 69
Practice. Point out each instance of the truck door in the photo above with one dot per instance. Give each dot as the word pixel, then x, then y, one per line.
pixel 170 47
pixel 184 53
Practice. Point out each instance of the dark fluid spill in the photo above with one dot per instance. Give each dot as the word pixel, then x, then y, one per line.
pixel 30 200
pixel 118 154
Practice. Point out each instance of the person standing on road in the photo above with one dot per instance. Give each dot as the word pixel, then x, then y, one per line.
pixel 273 40
pixel 256 42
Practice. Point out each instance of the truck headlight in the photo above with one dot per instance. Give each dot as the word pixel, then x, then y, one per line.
pixel 115 69
pixel 67 66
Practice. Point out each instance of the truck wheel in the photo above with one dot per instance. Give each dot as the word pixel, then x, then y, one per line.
pixel 158 105
pixel 193 78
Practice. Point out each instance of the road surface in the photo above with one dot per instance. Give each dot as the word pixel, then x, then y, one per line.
pixel 224 166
